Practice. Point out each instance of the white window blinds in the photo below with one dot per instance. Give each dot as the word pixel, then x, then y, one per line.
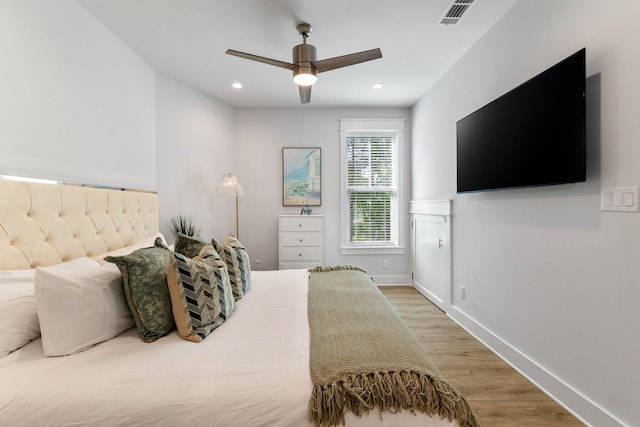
pixel 371 188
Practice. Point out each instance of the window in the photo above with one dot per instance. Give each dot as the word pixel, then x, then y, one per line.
pixel 370 185
pixel 371 189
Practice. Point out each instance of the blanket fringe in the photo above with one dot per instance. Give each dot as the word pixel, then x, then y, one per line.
pixel 389 392
pixel 335 268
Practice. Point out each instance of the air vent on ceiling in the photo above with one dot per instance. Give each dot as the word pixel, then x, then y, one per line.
pixel 455 12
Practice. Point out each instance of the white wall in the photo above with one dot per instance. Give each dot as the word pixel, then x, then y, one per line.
pixel 260 135
pixel 76 104
pixel 195 148
pixel 551 282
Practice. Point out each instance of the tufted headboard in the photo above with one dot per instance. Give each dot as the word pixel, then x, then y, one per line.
pixel 45 224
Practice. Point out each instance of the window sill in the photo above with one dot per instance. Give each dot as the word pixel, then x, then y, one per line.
pixel 372 250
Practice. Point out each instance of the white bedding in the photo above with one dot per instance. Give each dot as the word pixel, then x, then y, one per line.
pixel 251 371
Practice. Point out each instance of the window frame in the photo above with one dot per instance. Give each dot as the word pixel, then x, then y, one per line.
pixel 372 127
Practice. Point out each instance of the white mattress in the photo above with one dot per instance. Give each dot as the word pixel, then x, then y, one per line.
pixel 252 371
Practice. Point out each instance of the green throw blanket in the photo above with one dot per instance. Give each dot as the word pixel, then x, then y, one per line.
pixel 363 355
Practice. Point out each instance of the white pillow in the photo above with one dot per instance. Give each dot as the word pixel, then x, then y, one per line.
pixel 12 277
pixel 18 313
pixel 145 243
pixel 80 308
pixel 18 316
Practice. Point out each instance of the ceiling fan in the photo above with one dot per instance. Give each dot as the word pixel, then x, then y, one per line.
pixel 305 67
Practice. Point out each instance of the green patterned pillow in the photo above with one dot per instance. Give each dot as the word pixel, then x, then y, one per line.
pixel 189 246
pixel 160 243
pixel 201 295
pixel 237 259
pixel 144 273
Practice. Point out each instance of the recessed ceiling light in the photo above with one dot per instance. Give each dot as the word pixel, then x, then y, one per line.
pixel 378 85
pixel 237 85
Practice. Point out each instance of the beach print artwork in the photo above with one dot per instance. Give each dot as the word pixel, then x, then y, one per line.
pixel 301 176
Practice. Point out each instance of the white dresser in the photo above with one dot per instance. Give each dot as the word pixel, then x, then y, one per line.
pixel 300 241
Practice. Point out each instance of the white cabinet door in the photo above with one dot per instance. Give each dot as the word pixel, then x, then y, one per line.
pixel 431 262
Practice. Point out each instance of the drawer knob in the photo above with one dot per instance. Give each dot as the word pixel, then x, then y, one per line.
pixel 299 254
pixel 299 225
pixel 300 240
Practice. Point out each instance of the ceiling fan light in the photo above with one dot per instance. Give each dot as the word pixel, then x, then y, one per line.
pixel 303 79
pixel 305 75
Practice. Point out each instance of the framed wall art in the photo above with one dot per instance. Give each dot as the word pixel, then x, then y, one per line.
pixel 301 176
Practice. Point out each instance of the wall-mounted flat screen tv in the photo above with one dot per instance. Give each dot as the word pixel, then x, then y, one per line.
pixel 533 135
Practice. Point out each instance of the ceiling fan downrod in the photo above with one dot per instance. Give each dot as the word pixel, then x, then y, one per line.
pixel 304 30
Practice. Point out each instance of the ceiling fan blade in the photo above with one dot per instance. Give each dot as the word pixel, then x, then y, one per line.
pixel 346 60
pixel 262 59
pixel 305 94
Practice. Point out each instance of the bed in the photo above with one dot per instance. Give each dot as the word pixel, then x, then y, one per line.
pixel 253 369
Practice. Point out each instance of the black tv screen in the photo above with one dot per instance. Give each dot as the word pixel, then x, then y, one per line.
pixel 533 135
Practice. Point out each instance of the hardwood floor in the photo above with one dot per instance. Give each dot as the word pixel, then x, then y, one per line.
pixel 498 394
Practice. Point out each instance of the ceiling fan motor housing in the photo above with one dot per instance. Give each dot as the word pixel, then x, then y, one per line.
pixel 303 56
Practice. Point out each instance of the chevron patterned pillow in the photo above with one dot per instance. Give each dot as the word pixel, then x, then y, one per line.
pixel 238 264
pixel 201 297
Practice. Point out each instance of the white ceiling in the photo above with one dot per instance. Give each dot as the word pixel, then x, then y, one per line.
pixel 187 40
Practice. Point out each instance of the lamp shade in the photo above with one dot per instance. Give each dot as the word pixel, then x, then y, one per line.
pixel 230 186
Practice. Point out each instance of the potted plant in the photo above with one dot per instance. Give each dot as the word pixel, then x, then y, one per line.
pixel 183 224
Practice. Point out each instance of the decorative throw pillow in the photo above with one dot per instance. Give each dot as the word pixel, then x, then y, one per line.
pixel 238 265
pixel 200 295
pixel 189 246
pixel 159 242
pixel 144 274
pixel 210 256
pixel 80 308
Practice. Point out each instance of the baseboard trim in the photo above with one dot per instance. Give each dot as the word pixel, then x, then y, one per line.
pixel 573 401
pixel 391 280
pixel 431 297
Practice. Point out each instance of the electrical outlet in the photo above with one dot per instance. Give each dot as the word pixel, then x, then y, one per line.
pixel 385 264
pixel 257 264
pixel 461 293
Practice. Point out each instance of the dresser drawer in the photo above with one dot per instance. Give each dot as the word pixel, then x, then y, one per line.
pixel 290 265
pixel 300 223
pixel 310 238
pixel 301 253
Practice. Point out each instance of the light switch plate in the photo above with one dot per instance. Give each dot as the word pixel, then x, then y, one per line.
pixel 620 199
